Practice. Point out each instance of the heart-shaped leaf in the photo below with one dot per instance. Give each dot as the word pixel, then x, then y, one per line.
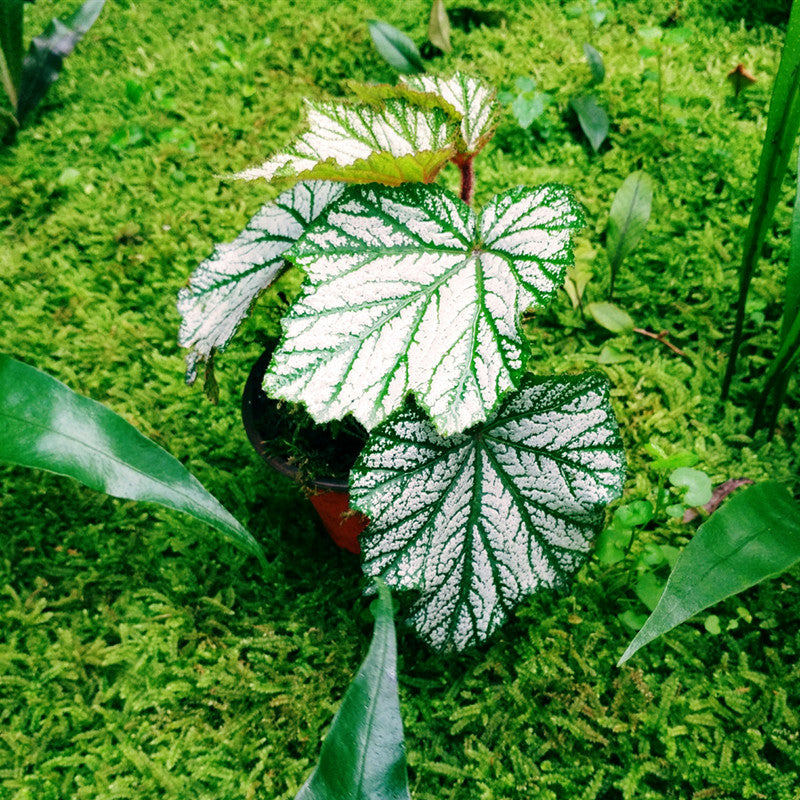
pixel 477 521
pixel 407 291
pixel 48 426
pixel 222 289
pixel 754 536
pixel 363 756
pixel 397 49
pixel 696 482
pixel 471 98
pixel 391 143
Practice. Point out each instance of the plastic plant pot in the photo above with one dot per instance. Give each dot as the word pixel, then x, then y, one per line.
pixel 329 496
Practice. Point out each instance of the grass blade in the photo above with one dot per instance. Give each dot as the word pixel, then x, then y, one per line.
pixel 754 536
pixel 782 125
pixel 48 426
pixel 11 48
pixel 778 374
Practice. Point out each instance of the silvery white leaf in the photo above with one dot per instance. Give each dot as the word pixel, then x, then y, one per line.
pixel 477 521
pixel 407 291
pixel 222 289
pixel 471 98
pixel 390 144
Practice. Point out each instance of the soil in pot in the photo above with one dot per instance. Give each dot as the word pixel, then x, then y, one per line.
pixel 319 457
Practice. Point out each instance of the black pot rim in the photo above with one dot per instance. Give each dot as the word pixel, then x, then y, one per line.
pixel 250 397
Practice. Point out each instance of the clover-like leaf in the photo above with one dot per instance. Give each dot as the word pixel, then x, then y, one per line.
pixel 222 289
pixel 477 521
pixel 408 291
pixel 391 144
pixel 474 100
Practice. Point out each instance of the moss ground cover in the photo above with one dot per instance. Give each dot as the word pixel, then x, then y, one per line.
pixel 140 659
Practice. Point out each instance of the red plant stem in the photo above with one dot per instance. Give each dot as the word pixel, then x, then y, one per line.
pixel 467 179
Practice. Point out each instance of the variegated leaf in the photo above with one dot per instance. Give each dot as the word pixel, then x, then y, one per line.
pixel 391 144
pixel 474 100
pixel 407 291
pixel 222 289
pixel 477 521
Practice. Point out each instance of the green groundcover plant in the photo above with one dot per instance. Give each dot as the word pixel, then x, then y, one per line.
pixel 484 483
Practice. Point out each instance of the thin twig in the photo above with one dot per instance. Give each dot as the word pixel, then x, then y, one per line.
pixel 662 337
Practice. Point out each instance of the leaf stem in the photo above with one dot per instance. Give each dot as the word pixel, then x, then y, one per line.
pixel 467 179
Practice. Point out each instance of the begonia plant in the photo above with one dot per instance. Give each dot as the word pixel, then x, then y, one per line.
pixel 483 482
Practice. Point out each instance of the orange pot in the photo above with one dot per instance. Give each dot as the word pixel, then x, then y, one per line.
pixel 330 497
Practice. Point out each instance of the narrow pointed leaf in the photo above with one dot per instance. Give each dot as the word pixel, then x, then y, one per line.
pixel 628 218
pixel 48 426
pixel 471 98
pixel 477 521
pixel 783 122
pixel 754 536
pixel 363 756
pixel 397 49
pixel 596 65
pixel 439 27
pixel 47 52
pixel 592 118
pixel 407 291
pixel 393 144
pixel 11 48
pixel 222 289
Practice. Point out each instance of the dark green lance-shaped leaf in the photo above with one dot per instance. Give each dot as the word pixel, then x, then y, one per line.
pixel 408 291
pixel 754 536
pixel 596 65
pixel 396 48
pixel 477 521
pixel 47 53
pixel 630 212
pixel 592 118
pixel 48 426
pixel 471 98
pixel 363 756
pixel 783 122
pixel 439 27
pixel 392 143
pixel 11 48
pixel 223 287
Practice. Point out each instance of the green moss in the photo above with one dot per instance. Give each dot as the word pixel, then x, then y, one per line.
pixel 140 659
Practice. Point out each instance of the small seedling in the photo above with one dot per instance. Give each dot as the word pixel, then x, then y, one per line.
pixel 528 106
pixel 592 118
pixel 657 42
pixel 739 78
pixel 627 220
